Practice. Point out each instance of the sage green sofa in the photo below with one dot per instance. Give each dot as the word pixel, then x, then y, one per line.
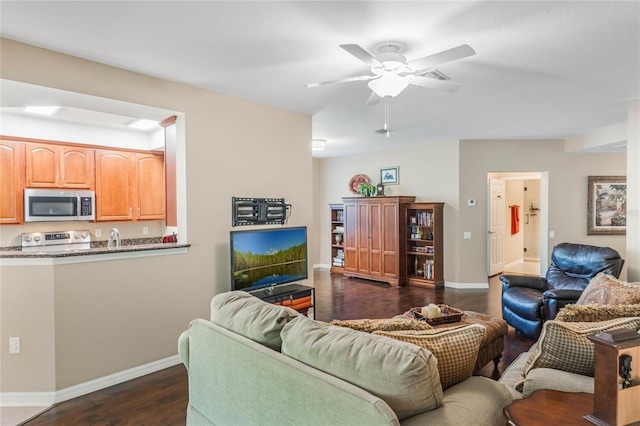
pixel 243 370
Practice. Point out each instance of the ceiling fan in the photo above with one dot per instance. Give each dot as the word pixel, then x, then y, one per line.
pixel 391 73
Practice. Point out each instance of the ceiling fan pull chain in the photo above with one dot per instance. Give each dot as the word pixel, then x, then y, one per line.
pixel 386 114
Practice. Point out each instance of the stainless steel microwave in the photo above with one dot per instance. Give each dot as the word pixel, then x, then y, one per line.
pixel 45 205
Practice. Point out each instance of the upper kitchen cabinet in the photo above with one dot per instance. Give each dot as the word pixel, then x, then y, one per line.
pixel 114 185
pixel 150 192
pixel 58 166
pixel 129 185
pixel 11 181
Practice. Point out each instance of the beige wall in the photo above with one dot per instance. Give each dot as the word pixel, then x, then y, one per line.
pixel 455 172
pixel 567 192
pixel 633 191
pixel 129 312
pixel 27 311
pixel 427 171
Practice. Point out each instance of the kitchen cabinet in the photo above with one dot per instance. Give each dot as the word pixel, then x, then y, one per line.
pixel 58 166
pixel 150 184
pixel 372 246
pixel 11 182
pixel 129 185
pixel 114 185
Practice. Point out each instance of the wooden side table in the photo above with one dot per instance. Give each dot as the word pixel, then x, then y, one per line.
pixel 547 407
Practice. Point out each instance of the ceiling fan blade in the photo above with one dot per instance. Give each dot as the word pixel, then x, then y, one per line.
pixel 343 80
pixel 373 99
pixel 361 54
pixel 432 83
pixel 452 54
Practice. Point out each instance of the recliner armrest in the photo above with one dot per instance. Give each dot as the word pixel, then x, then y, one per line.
pixel 554 300
pixel 538 283
pixel 562 294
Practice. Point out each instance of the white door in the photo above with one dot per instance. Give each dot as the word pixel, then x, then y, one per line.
pixel 496 226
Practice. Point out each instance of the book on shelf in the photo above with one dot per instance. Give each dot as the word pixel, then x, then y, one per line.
pixel 424 218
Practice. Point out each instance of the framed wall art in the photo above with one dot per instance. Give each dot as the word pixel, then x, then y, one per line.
pixel 389 175
pixel 607 205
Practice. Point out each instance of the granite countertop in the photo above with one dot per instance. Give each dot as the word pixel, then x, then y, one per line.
pixel 97 248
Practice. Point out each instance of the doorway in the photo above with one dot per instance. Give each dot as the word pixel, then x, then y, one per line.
pixel 517 224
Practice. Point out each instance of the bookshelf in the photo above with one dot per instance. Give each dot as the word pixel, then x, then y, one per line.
pixel 423 254
pixel 337 238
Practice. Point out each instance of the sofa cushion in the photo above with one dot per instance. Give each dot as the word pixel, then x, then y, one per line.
pixel 564 345
pixel 250 317
pixel 607 290
pixel 392 324
pixel 405 376
pixel 591 313
pixel 455 348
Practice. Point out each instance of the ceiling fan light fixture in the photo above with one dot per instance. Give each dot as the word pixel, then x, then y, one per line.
pixel 318 144
pixel 388 85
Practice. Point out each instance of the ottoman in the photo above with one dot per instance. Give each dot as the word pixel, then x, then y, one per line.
pixel 492 345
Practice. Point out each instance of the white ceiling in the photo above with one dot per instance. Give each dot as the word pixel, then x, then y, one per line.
pixel 542 69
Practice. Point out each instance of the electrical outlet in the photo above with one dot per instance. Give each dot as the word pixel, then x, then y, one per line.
pixel 145 230
pixel 98 232
pixel 14 345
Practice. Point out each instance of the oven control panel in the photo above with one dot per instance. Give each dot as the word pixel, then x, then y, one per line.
pixel 42 239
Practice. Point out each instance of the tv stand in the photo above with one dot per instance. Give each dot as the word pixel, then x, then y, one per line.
pixel 297 296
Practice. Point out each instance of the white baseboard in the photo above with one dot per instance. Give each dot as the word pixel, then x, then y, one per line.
pixel 468 286
pixel 321 265
pixel 26 399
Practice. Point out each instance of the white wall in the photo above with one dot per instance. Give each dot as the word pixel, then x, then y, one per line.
pixel 63 131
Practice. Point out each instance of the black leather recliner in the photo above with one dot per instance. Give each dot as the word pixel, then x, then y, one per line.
pixel 529 301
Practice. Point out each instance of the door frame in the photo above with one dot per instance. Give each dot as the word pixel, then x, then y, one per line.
pixel 544 213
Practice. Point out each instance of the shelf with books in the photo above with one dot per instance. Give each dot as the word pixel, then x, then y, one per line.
pixel 423 260
pixel 337 238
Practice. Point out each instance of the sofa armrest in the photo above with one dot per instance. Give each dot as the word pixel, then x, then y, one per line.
pixel 183 348
pixel 554 300
pixel 475 401
pixel 538 283
pixel 549 378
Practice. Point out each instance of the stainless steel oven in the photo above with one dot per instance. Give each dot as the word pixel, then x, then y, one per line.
pixel 48 205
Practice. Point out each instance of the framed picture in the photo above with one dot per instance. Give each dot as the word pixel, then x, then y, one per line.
pixel 607 205
pixel 389 175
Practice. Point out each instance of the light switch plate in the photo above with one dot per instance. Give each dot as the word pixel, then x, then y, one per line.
pixel 467 235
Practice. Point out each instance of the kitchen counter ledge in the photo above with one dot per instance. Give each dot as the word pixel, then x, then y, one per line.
pixel 15 256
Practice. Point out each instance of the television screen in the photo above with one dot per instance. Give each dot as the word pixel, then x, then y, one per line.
pixel 265 257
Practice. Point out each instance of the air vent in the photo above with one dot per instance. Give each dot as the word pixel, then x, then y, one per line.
pixel 437 75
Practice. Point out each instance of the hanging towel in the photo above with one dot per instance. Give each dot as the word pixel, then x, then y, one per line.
pixel 515 219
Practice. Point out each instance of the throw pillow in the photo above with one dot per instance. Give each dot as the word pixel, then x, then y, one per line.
pixel 393 324
pixel 244 314
pixel 607 290
pixel 564 345
pixel 591 313
pixel 403 375
pixel 455 348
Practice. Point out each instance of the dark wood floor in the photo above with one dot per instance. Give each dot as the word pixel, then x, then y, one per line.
pixel 161 398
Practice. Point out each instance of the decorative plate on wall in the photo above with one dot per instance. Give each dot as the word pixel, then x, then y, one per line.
pixel 356 181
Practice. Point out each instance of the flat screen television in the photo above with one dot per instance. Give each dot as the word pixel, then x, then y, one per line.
pixel 268 257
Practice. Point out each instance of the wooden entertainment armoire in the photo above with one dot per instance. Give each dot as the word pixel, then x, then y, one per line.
pixel 379 240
